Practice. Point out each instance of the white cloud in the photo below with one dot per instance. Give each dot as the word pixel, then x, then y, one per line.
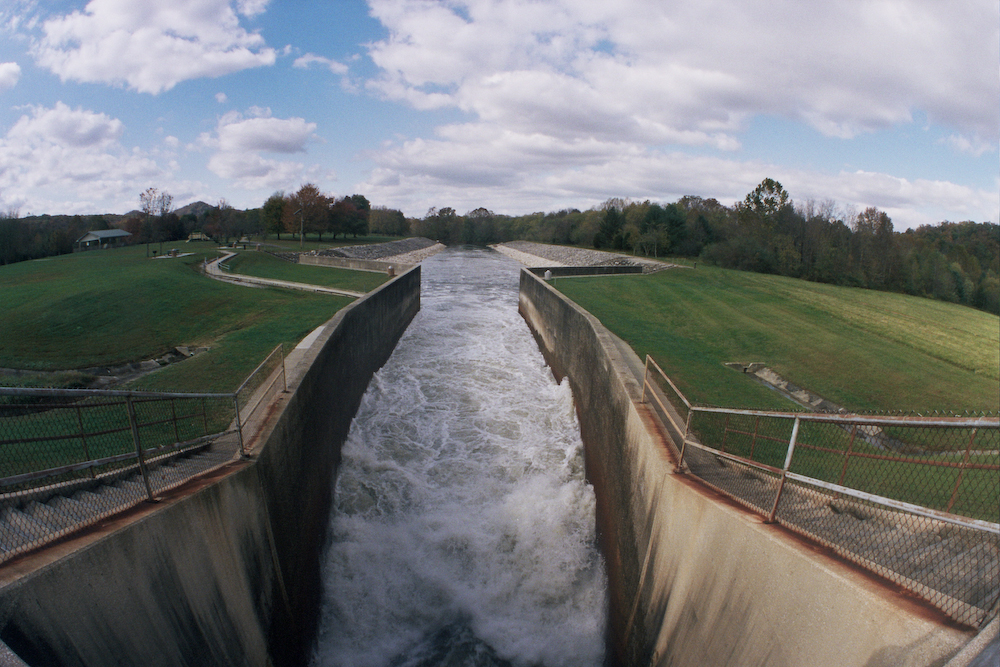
pixel 149 45
pixel 644 67
pixel 251 7
pixel 239 142
pixel 221 98
pixel 572 101
pixel 303 62
pixel 71 161
pixel 972 146
pixel 10 73
pixel 469 166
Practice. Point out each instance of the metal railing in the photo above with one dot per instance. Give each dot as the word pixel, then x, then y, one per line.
pixel 70 457
pixel 912 498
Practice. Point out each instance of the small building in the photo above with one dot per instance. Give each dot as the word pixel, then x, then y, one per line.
pixel 103 238
pixel 199 236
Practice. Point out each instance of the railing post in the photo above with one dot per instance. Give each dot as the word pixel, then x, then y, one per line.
pixel 83 437
pixel 134 424
pixel 753 440
pixel 645 379
pixel 784 470
pixel 847 456
pixel 239 426
pixel 284 375
pixel 961 470
pixel 684 441
pixel 173 413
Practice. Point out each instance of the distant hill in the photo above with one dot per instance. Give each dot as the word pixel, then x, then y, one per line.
pixel 198 208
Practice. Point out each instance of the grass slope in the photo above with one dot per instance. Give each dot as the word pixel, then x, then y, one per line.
pixel 862 349
pixel 112 307
pixel 263 265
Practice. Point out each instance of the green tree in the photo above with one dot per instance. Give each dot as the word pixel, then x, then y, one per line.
pixel 272 212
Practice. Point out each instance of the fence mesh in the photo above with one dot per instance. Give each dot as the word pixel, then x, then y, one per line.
pixel 948 555
pixel 258 392
pixel 71 458
pixel 915 499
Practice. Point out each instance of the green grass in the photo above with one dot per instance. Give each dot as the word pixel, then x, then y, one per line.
pixel 861 349
pixel 263 265
pixel 111 307
pixel 290 242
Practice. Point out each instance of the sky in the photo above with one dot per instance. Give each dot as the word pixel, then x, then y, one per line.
pixel 513 105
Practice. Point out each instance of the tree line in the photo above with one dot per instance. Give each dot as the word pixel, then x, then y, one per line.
pixel 767 232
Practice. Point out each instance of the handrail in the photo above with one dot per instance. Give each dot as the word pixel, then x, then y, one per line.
pixel 891 454
pixel 133 424
pixel 843 419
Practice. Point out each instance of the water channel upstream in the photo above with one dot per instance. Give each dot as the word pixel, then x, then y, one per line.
pixel 463 529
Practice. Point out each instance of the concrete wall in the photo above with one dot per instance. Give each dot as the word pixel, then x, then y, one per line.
pixel 230 573
pixel 356 264
pixel 695 580
pixel 558 271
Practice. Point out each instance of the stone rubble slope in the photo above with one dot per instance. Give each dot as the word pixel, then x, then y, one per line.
pixel 556 255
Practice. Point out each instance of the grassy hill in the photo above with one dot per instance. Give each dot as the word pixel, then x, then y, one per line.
pixel 263 265
pixel 862 349
pixel 117 306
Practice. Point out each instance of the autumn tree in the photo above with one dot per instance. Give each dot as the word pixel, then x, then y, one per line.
pixel 306 211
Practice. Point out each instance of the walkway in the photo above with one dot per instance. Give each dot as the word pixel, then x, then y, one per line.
pixel 213 270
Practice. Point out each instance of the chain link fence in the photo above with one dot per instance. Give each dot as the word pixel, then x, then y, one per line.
pixel 914 499
pixel 70 458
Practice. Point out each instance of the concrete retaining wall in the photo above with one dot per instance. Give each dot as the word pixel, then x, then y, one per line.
pixel 558 271
pixel 375 265
pixel 695 580
pixel 230 573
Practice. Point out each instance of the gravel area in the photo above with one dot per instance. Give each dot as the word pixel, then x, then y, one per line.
pixel 379 250
pixel 541 254
pixel 416 256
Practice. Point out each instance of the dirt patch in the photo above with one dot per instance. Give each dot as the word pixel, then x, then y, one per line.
pixel 100 377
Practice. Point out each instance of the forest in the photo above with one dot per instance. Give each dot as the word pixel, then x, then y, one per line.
pixel 767 232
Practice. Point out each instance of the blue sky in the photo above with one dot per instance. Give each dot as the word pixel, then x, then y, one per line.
pixel 515 105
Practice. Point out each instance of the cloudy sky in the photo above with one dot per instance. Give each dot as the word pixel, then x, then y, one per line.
pixel 516 105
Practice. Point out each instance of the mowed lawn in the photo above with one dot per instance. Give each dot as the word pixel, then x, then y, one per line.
pixel 116 306
pixel 264 265
pixel 861 349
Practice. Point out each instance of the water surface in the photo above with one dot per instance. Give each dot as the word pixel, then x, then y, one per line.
pixel 463 528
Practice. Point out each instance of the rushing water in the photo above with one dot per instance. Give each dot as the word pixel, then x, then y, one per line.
pixel 463 530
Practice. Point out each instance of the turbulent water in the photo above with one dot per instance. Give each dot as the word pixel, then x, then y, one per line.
pixel 463 529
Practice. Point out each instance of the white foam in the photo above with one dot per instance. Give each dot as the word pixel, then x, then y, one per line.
pixel 463 525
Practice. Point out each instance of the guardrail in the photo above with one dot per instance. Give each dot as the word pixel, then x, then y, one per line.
pixel 912 498
pixel 70 457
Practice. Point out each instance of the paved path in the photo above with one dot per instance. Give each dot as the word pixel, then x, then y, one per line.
pixel 213 271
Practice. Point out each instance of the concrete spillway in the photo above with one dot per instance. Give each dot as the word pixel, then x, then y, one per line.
pixel 463 529
pixel 229 570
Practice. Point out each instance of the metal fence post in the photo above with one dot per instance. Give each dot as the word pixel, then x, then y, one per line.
pixel 645 379
pixel 753 440
pixel 961 470
pixel 284 374
pixel 784 470
pixel 847 456
pixel 173 413
pixel 684 442
pixel 134 424
pixel 239 426
pixel 83 437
